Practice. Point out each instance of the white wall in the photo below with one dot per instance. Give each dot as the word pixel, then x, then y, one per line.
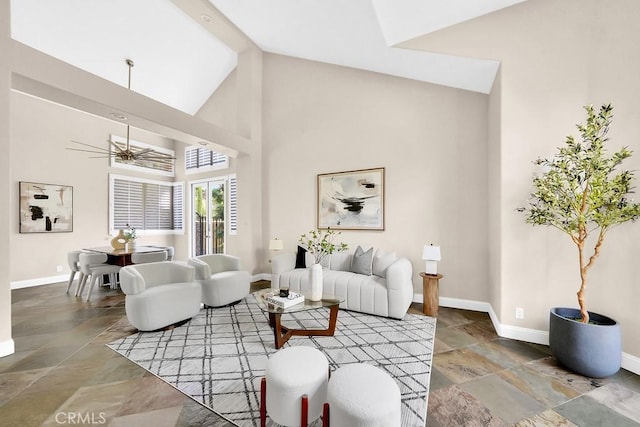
pixel 6 342
pixel 40 133
pixel 40 129
pixel 457 163
pixel 555 58
pixel 431 140
pixel 237 107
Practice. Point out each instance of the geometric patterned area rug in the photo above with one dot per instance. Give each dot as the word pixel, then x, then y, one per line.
pixel 219 357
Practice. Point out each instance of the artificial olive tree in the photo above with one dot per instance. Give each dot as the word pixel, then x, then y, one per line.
pixel 581 193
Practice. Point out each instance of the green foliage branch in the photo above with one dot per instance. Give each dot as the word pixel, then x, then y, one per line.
pixel 130 233
pixel 320 243
pixel 581 193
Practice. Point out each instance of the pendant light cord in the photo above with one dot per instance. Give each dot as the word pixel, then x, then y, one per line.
pixel 130 65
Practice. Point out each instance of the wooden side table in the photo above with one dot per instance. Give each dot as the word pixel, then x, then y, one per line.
pixel 430 294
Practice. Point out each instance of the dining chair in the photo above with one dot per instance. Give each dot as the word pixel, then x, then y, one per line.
pixel 169 250
pixel 94 265
pixel 73 259
pixel 145 257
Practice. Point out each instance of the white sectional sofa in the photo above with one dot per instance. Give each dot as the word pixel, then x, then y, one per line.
pixel 387 291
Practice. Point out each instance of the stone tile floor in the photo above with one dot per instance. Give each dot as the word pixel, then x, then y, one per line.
pixel 63 374
pixel 480 379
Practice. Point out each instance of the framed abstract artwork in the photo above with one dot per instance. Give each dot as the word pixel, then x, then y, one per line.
pixel 352 200
pixel 45 208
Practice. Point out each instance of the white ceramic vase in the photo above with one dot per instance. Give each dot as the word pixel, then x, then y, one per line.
pixel 315 280
pixel 130 245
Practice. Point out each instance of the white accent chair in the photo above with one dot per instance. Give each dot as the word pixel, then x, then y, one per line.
pixel 145 257
pixel 159 294
pixel 222 280
pixel 94 265
pixel 73 259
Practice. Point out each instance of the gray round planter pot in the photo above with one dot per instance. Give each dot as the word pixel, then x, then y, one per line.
pixel 592 350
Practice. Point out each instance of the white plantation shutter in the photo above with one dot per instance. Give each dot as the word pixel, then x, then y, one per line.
pixel 202 158
pixel 177 207
pixel 152 208
pixel 191 158
pixel 233 205
pixel 128 197
pixel 146 204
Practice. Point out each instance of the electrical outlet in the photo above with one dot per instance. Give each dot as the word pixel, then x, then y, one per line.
pixel 59 268
pixel 519 313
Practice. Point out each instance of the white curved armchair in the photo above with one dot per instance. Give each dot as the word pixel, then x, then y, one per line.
pixel 222 280
pixel 159 294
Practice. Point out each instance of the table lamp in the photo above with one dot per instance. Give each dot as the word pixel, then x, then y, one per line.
pixel 431 255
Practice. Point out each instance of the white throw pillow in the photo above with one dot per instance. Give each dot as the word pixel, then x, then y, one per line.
pixel 381 261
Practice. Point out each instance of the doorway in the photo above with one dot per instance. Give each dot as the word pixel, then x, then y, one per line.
pixel 207 200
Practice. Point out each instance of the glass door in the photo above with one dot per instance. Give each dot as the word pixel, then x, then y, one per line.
pixel 207 200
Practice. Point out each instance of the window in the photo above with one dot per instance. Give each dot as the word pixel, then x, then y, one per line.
pixel 145 204
pixel 198 159
pixel 233 205
pixel 165 168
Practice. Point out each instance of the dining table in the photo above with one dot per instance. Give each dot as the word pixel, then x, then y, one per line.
pixel 122 257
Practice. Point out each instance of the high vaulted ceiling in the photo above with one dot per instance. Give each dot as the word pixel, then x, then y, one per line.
pixel 180 63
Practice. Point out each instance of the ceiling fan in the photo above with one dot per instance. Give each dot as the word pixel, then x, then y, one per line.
pixel 126 154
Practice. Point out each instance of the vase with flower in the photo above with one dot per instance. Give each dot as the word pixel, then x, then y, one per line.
pixel 130 236
pixel 319 243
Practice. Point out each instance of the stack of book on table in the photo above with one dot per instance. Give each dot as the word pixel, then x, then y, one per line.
pixel 284 302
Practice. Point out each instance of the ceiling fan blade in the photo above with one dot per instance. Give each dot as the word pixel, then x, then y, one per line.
pixel 158 155
pixel 98 157
pixel 116 146
pixel 92 146
pixel 155 159
pixel 145 151
pixel 106 153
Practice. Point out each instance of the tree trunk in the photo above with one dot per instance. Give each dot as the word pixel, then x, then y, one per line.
pixel 583 283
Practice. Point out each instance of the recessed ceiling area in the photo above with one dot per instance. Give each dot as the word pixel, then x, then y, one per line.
pixel 177 62
pixel 180 63
pixel 360 34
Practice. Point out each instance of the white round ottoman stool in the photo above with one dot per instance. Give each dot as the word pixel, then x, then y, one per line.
pixel 361 395
pixel 292 373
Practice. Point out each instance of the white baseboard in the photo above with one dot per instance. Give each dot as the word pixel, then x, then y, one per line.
pixel 40 281
pixel 63 278
pixel 261 276
pixel 524 334
pixel 7 347
pixel 629 362
pixel 467 304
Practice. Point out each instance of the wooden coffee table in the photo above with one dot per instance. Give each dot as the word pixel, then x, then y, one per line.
pixel 282 333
